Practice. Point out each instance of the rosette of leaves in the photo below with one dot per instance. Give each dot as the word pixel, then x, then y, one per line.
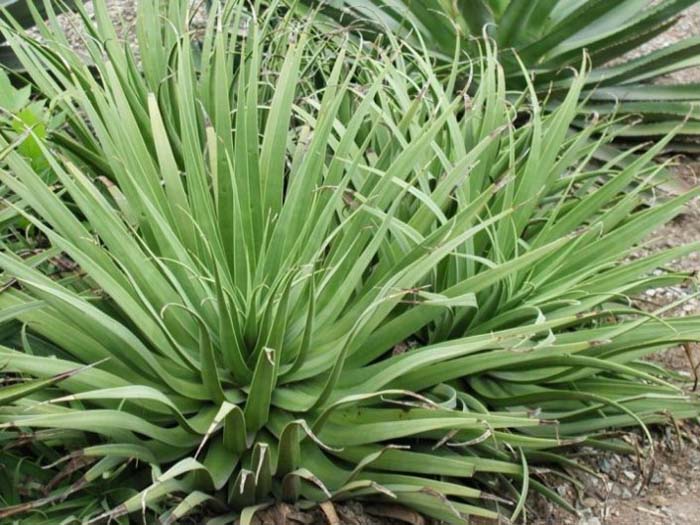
pixel 310 272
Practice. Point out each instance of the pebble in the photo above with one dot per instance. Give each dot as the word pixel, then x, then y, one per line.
pixel 659 500
pixel 590 502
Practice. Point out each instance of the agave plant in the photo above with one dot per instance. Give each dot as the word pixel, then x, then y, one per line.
pixel 310 272
pixel 547 38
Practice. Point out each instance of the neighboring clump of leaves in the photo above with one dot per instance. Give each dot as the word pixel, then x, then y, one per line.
pixel 549 37
pixel 309 272
pixel 24 121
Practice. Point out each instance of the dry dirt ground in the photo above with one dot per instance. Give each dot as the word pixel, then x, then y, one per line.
pixel 618 496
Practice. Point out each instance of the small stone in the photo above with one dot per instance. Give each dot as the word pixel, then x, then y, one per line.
pixel 629 474
pixel 659 500
pixel 590 502
pixel 589 521
pixel 605 465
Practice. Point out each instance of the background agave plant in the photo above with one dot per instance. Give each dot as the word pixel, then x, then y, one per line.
pixel 549 37
pixel 308 271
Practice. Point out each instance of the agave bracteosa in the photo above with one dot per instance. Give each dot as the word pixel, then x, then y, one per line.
pixel 311 272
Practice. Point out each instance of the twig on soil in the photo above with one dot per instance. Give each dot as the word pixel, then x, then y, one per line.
pixel 652 512
pixel 329 510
